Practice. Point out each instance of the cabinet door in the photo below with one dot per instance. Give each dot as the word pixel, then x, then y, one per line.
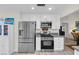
pixel 58 44
pixel 61 42
pixel 38 43
pixel 38 24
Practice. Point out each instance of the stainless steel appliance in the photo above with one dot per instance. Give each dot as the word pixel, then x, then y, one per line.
pixel 27 36
pixel 47 42
pixel 46 24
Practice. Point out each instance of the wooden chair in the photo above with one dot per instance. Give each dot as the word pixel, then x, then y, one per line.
pixel 75 35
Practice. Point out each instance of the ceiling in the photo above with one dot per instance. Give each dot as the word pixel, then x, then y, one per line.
pixel 61 9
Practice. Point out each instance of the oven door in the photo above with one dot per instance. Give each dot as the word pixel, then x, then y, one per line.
pixel 47 44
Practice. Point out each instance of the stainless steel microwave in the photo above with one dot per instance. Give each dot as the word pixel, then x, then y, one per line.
pixel 46 24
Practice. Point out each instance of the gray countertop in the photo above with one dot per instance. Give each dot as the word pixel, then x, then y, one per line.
pixel 51 34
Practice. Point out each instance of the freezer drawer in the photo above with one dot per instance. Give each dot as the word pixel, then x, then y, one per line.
pixel 26 47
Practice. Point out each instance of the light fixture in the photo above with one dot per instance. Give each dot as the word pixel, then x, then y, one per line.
pixel 33 8
pixel 50 8
pixel 40 4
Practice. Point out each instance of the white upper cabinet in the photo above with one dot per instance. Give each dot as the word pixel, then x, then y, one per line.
pixel 38 24
pixel 55 22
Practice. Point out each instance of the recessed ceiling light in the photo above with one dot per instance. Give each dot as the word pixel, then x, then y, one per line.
pixel 50 8
pixel 33 8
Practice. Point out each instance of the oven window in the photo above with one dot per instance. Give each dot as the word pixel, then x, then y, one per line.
pixel 47 43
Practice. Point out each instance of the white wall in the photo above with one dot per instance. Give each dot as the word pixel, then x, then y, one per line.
pixel 13 39
pixel 70 9
pixel 70 19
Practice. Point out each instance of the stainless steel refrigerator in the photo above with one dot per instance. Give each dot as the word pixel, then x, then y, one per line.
pixel 26 42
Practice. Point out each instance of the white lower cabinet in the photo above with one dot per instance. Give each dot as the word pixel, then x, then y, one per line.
pixel 38 43
pixel 58 43
pixel 76 52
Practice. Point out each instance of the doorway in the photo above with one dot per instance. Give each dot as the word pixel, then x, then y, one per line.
pixel 65 27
